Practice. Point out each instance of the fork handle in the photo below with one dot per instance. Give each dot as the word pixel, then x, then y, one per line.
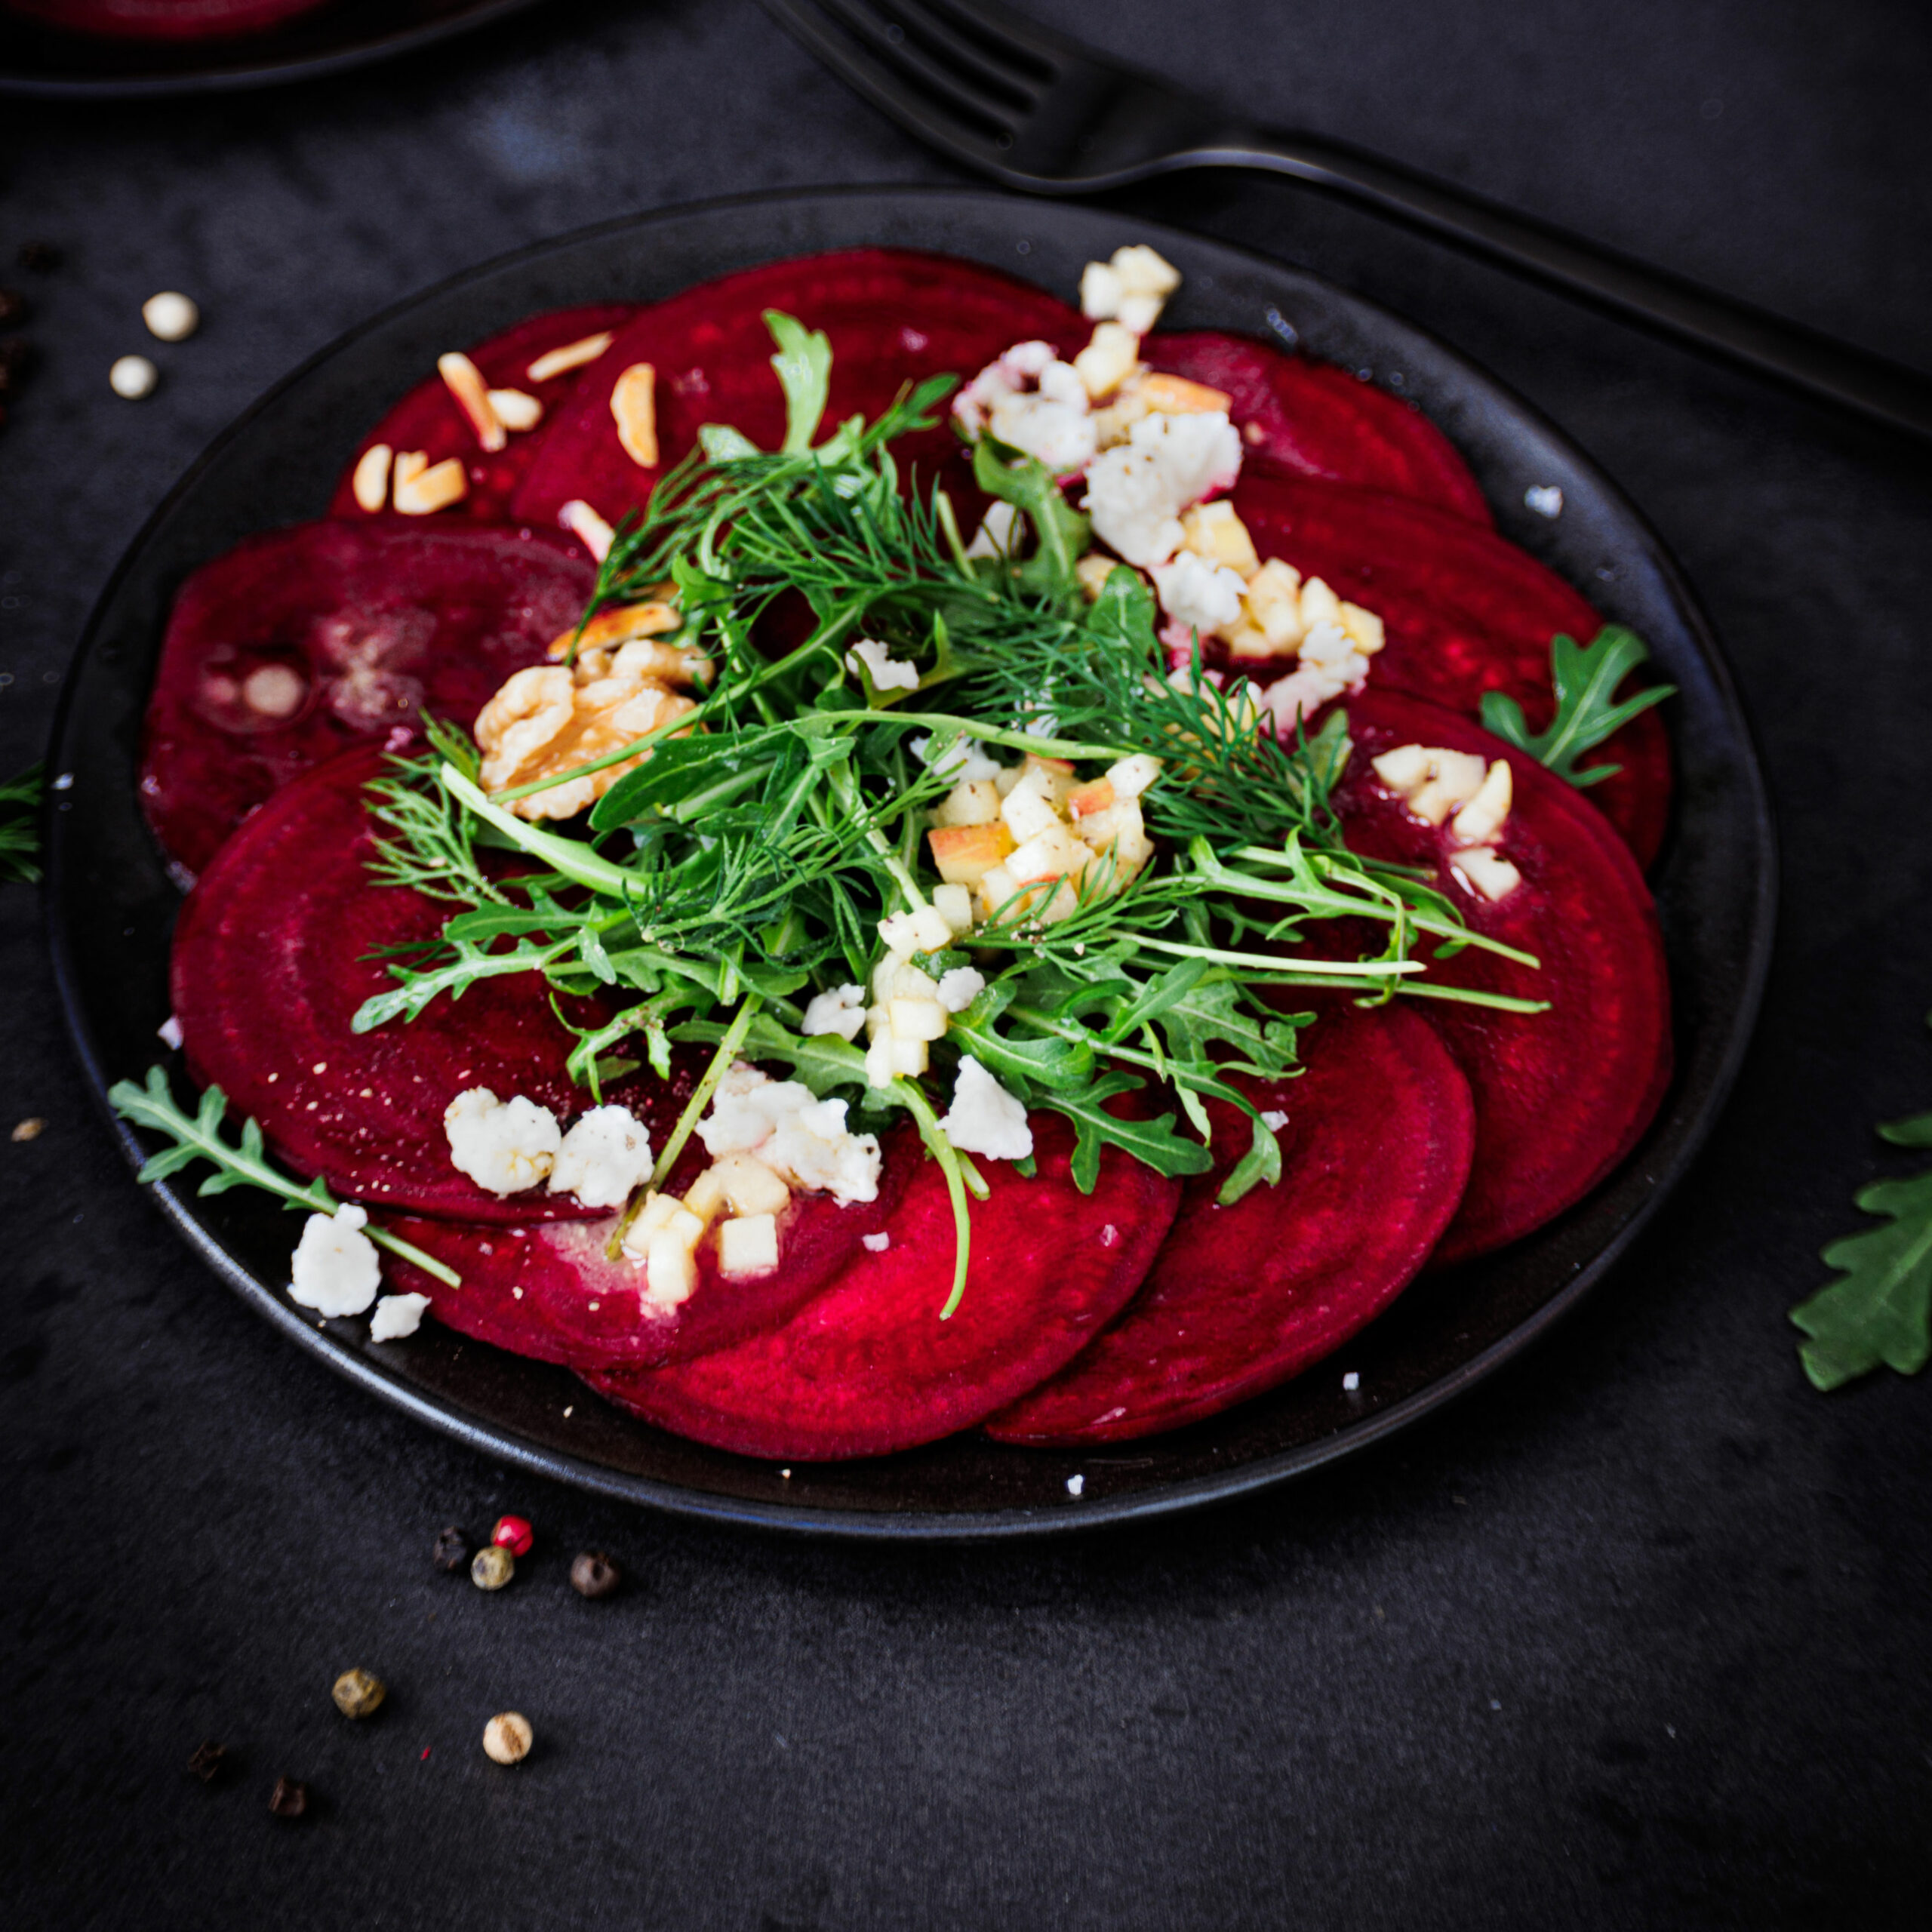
pixel 1887 391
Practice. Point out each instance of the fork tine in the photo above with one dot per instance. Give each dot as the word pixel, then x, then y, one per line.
pixel 890 43
pixel 956 36
pixel 1004 35
pixel 889 89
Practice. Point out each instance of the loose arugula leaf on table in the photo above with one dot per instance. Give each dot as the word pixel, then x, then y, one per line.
pixel 1878 1315
pixel 1586 677
pixel 19 827
pixel 198 1137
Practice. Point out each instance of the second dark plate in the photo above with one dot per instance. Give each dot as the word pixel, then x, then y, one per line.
pixel 112 906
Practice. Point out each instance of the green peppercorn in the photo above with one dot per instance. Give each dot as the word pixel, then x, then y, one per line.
pixel 358 1693
pixel 492 1566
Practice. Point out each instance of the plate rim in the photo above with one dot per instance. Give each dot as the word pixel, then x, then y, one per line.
pixel 919 1525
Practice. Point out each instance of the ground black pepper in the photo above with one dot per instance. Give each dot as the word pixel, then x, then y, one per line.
pixel 593 1575
pixel 205 1761
pixel 289 1799
pixel 451 1553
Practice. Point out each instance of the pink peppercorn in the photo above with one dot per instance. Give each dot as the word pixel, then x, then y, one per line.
pixel 514 1533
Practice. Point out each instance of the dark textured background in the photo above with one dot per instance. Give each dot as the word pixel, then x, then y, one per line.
pixel 1638 1636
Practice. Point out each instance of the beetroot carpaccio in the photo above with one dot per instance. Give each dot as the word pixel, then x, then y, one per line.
pixel 693 850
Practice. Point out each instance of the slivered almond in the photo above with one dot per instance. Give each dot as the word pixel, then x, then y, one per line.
pixel 587 527
pixel 422 488
pixel 556 362
pixel 634 404
pixel 1175 395
pixel 467 384
pixel 515 410
pixel 370 482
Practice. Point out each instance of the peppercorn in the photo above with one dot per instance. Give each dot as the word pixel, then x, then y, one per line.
pixel 13 308
pixel 594 1575
pixel 452 1550
pixel 358 1694
pixel 289 1799
pixel 514 1533
pixel 205 1761
pixel 492 1568
pixel 507 1737
pixel 42 257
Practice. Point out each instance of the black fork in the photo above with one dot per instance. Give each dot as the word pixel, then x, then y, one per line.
pixel 1036 112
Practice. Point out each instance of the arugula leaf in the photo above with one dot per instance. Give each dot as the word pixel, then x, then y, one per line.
pixel 1585 678
pixel 804 363
pixel 1259 1167
pixel 19 826
pixel 1030 486
pixel 1880 1313
pixel 1154 1142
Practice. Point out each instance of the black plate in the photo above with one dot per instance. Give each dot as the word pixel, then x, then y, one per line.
pixel 40 60
pixel 112 906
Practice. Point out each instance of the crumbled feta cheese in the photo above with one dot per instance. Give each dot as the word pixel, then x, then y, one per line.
pixel 1074 1484
pixel 887 672
pixel 603 1157
pixel 503 1145
pixel 397 1316
pixel 994 537
pixel 959 988
pixel 801 1140
pixel 1132 287
pixel 964 759
pixel 170 1030
pixel 1136 493
pixel 924 930
pixel 985 1119
pixel 336 1270
pixel 1545 499
pixel 1351 1381
pixel 1060 436
pixel 1203 596
pixel 1273 1119
pixel 876 1244
pixel 841 1011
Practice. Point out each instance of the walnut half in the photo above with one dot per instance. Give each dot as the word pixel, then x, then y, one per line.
pixel 549 718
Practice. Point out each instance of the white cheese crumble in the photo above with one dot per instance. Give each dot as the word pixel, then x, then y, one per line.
pixel 1273 1119
pixel 1137 491
pixel 965 760
pixel 876 1244
pixel 1200 595
pixel 841 1011
pixel 603 1157
pixel 169 1030
pixel 803 1140
pixel 985 1119
pixel 336 1270
pixel 397 1316
pixel 959 987
pixel 887 673
pixel 1074 1484
pixel 1351 1381
pixel 503 1146
pixel 1545 499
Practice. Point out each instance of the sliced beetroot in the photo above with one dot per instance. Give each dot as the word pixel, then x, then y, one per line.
pixel 1560 1096
pixel 492 1303
pixel 165 20
pixel 429 419
pixel 1319 420
pixel 867 1366
pixel 299 643
pixel 1466 613
pixel 272 957
pixel 893 317
pixel 1375 1156
pixel 585 1309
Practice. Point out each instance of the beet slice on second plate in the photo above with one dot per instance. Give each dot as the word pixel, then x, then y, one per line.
pixel 867 1366
pixel 299 643
pixel 429 419
pixel 1375 1156
pixel 1466 612
pixel 589 1307
pixel 1560 1096
pixel 271 960
pixel 1316 419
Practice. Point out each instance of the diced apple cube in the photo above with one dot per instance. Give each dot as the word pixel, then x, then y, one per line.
pixel 1089 798
pixel 1175 395
pixel 921 930
pixel 1054 853
pixel 748 1245
pixel 963 853
pixel 1249 642
pixel 878 1061
pixel 1119 833
pixel 955 905
pixel 1485 870
pixel 748 1184
pixel 1404 769
pixel 1319 604
pixel 1027 809
pixel 1365 629
pixel 917 1020
pixel 1053 776
pixel 972 801
pixel 657 1214
pixel 1132 775
pixel 1107 361
pixel 1093 569
pixel 908 1059
pixel 670 1270
pixel 1213 531
pixel 1007 777
pixel 705 1196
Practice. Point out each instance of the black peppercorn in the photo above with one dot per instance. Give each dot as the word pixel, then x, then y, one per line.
pixel 451 1553
pixel 13 308
pixel 289 1799
pixel 205 1762
pixel 594 1575
pixel 42 257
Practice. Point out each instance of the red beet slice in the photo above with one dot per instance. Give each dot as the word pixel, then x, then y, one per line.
pixel 270 964
pixel 589 1307
pixel 1319 420
pixel 493 1303
pixel 868 1368
pixel 1560 1096
pixel 1374 1159
pixel 429 419
pixel 345 631
pixel 165 20
pixel 893 317
pixel 1466 613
